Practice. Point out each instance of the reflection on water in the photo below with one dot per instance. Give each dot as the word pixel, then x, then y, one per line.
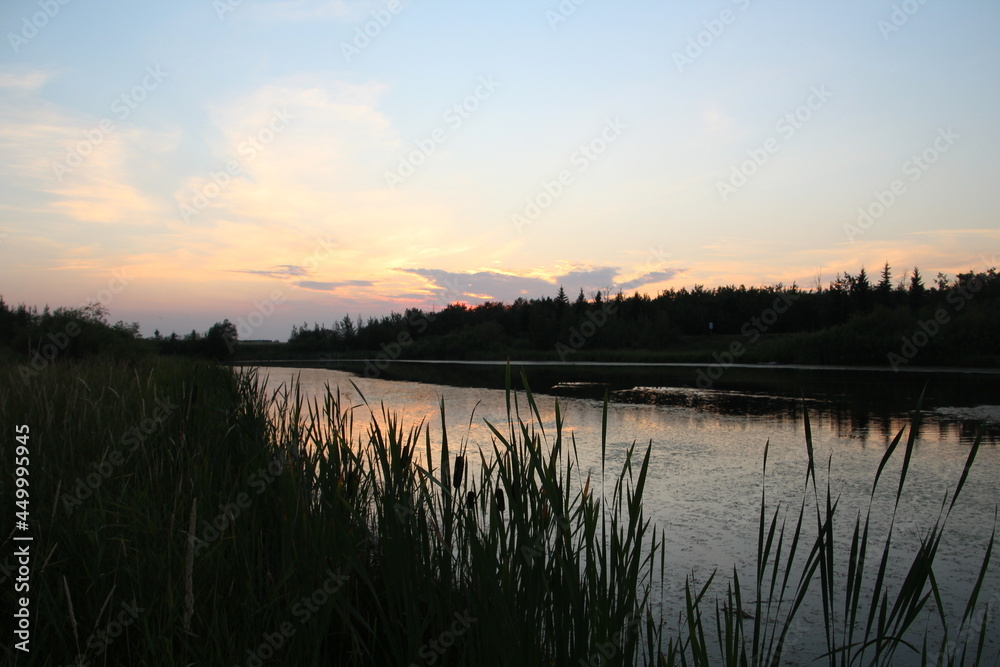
pixel 706 456
pixel 945 423
pixel 856 404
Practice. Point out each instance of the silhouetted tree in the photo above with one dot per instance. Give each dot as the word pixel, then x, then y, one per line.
pixel 834 325
pixel 861 291
pixel 346 328
pixel 221 340
pixel 884 288
pixel 916 291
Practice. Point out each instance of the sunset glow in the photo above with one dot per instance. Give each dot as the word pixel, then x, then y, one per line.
pixel 359 158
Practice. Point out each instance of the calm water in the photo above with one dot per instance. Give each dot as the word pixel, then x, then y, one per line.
pixel 707 451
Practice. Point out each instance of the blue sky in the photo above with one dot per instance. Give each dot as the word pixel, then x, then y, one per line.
pixel 188 161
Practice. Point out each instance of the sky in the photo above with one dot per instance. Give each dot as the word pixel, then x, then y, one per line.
pixel 289 161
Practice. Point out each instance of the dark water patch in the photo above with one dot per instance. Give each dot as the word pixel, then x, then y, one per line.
pixel 870 389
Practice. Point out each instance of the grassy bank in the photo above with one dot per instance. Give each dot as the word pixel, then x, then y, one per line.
pixel 180 515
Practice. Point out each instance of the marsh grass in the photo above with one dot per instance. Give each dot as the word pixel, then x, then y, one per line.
pixel 865 621
pixel 337 543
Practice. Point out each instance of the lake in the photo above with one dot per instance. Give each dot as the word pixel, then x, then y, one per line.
pixel 707 445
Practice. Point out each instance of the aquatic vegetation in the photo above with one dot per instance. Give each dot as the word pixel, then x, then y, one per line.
pixel 182 514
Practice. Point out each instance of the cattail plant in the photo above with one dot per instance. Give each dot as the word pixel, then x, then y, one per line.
pixel 560 574
pixel 459 470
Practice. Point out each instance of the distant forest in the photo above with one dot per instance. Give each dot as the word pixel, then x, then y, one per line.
pixel 855 319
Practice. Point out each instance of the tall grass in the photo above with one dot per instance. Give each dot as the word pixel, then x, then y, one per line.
pixel 248 527
pixel 864 621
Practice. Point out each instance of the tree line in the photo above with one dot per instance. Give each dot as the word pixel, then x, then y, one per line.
pixel 37 338
pixel 855 318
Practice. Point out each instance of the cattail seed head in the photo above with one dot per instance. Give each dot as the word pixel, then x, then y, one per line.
pixel 470 498
pixel 501 503
pixel 459 469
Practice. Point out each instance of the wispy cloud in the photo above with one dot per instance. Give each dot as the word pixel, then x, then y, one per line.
pixel 322 286
pixel 22 80
pixel 282 271
pixel 322 161
pixel 650 278
pixel 106 186
pixel 477 287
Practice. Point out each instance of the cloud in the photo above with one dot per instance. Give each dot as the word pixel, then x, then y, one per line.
pixel 601 277
pixel 306 148
pixel 281 271
pixel 448 286
pixel 477 287
pixel 649 279
pixel 23 81
pixel 68 172
pixel 286 271
pixel 322 286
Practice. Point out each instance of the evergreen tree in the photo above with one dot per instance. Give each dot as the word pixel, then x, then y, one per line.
pixel 861 290
pixel 562 302
pixel 884 288
pixel 917 289
pixel 346 328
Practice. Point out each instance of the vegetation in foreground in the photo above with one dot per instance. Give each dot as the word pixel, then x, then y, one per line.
pixel 182 516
